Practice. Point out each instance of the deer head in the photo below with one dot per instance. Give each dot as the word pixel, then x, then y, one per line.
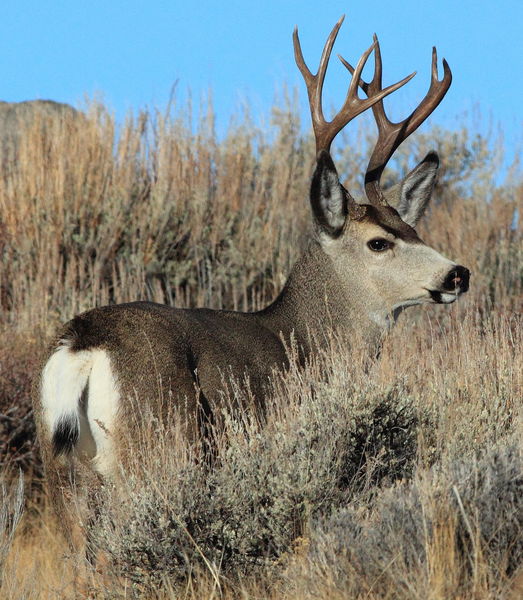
pixel 374 247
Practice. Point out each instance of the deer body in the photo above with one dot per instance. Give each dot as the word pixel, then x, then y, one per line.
pixel 364 264
pixel 155 350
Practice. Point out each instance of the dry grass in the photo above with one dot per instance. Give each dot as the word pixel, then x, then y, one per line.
pixel 92 213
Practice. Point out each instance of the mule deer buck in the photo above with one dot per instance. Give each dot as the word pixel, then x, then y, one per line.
pixel 364 264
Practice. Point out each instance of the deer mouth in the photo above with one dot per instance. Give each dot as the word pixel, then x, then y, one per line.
pixel 444 297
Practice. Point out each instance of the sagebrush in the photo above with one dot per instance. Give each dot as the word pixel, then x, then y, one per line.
pixel 355 454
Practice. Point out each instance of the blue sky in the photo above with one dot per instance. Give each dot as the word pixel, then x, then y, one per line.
pixel 132 52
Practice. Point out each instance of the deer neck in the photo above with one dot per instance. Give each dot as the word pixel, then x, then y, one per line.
pixel 315 303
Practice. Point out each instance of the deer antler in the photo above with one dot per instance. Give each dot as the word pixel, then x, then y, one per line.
pixel 326 131
pixel 390 135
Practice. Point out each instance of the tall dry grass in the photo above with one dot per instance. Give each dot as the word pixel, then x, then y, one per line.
pixel 93 212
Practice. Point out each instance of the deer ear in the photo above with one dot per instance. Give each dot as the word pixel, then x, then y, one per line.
pixel 416 189
pixel 329 200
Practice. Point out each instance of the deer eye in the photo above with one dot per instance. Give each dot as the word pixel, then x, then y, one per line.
pixel 379 245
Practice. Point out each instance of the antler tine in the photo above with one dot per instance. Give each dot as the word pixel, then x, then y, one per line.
pixel 437 90
pixel 376 82
pixel 391 135
pixel 326 131
pixel 314 83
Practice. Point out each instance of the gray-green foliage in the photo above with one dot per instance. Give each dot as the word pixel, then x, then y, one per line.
pixel 489 495
pixel 243 512
pixel 388 544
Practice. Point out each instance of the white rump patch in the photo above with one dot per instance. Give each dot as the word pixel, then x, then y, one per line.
pixel 64 378
pixel 102 408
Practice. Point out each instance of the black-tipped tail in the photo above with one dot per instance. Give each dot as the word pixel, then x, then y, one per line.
pixel 66 435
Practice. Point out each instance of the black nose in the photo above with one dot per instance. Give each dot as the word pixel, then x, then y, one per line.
pixel 457 280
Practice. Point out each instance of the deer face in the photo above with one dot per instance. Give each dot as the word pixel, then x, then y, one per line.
pixel 376 251
pixel 397 265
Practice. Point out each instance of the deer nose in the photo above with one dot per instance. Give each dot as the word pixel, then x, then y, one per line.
pixel 457 279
